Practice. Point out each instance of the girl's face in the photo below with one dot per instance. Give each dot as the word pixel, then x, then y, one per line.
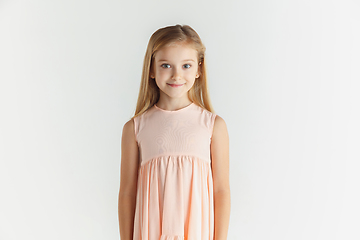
pixel 175 69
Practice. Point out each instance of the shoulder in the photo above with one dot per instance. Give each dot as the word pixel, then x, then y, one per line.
pixel 128 128
pixel 220 128
pixel 219 121
pixel 208 115
pixel 129 124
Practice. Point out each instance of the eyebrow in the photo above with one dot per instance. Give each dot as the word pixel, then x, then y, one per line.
pixel 186 60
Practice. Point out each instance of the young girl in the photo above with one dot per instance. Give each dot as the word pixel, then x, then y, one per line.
pixel 175 150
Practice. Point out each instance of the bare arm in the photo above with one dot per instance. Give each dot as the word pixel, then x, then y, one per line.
pixel 220 170
pixel 128 181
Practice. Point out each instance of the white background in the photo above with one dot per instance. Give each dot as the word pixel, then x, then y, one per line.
pixel 283 74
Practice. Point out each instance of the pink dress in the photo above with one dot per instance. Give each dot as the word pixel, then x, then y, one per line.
pixel 175 186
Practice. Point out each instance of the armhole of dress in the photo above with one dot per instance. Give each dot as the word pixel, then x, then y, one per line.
pixel 213 117
pixel 135 128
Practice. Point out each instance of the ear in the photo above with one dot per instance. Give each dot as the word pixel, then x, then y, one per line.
pixel 152 75
pixel 198 72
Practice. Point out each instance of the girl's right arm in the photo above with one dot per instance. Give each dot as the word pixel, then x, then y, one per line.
pixel 128 181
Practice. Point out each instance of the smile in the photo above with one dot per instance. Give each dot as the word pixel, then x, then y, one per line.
pixel 175 85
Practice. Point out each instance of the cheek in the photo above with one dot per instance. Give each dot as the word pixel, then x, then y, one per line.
pixel 191 73
pixel 163 73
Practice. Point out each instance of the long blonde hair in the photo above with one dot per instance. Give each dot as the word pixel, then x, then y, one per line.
pixel 149 92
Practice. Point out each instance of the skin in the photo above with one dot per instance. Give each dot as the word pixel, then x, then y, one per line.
pixel 175 64
pixel 128 181
pixel 219 150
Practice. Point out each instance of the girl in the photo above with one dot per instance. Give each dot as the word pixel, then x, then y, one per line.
pixel 175 150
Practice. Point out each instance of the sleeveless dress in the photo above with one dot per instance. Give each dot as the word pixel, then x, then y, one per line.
pixel 175 186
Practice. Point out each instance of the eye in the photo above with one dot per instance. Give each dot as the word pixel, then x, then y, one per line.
pixel 187 65
pixel 165 65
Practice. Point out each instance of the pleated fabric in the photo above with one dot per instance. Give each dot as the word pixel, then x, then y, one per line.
pixel 175 186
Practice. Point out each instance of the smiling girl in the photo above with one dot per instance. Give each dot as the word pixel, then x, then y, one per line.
pixel 174 181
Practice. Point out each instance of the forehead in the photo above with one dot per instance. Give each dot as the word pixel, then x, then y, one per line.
pixel 176 51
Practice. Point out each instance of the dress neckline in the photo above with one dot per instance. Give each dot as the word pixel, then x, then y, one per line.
pixel 173 111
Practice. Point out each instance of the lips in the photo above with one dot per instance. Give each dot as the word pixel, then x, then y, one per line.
pixel 175 85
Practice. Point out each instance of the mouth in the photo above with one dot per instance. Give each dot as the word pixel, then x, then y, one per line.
pixel 175 85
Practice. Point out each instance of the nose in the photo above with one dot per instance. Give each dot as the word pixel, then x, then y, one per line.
pixel 176 74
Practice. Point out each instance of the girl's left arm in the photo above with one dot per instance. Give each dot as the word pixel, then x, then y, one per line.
pixel 220 170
